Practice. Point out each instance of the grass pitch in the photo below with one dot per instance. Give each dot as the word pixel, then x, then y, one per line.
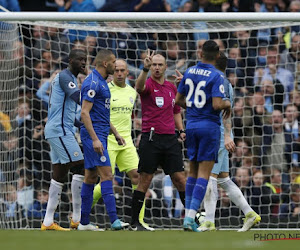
pixel 123 240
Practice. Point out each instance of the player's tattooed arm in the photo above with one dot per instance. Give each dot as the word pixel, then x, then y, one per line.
pixel 229 143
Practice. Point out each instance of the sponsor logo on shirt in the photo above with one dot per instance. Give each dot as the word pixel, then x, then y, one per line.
pixel 156 90
pixel 107 103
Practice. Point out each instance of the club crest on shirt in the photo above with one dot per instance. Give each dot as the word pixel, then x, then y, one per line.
pixel 131 99
pixel 76 154
pixel 72 85
pixel 91 93
pixel 221 88
pixel 159 101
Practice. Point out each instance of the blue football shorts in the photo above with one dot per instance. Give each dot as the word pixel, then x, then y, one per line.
pixel 64 149
pixel 223 162
pixel 93 159
pixel 203 143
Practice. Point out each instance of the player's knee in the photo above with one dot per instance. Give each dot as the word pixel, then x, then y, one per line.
pixel 134 177
pixel 179 180
pixel 107 177
pixel 77 168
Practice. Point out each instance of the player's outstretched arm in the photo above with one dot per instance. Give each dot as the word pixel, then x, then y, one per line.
pixel 119 138
pixel 140 82
pixel 86 119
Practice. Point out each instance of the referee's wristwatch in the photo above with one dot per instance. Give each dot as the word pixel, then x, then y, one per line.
pixel 181 131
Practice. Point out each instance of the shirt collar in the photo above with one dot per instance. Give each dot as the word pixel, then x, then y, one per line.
pixel 98 74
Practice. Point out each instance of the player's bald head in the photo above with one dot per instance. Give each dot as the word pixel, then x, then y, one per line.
pixel 102 56
pixel 159 57
pixel 121 63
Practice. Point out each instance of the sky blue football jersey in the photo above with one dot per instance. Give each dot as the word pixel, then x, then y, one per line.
pixel 200 84
pixel 95 89
pixel 61 108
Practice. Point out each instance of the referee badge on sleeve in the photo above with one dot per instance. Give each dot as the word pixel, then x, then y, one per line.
pixel 159 101
pixel 91 93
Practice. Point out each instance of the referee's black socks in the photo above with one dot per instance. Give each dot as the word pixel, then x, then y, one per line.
pixel 136 206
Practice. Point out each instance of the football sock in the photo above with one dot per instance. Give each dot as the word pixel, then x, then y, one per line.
pixel 210 199
pixel 76 186
pixel 178 206
pixel 137 203
pixel 198 195
pixel 235 194
pixel 54 198
pixel 97 194
pixel 87 200
pixel 189 188
pixel 109 200
pixel 168 194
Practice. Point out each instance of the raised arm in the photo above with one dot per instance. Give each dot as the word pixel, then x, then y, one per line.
pixel 86 119
pixel 140 82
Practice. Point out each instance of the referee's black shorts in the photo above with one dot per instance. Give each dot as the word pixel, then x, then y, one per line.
pixel 164 150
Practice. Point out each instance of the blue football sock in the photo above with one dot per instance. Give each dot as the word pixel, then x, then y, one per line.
pixel 86 202
pixel 198 194
pixel 109 200
pixel 189 188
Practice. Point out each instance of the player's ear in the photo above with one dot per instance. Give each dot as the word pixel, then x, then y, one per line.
pixel 127 72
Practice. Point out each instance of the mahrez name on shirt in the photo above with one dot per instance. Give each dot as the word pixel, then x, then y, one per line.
pixel 196 71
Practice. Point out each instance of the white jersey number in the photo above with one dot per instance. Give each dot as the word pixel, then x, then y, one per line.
pixel 199 94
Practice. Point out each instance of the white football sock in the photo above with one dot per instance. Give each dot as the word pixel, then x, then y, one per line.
pixel 54 198
pixel 210 199
pixel 76 185
pixel 235 194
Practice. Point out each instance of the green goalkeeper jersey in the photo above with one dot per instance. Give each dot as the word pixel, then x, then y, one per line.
pixel 121 105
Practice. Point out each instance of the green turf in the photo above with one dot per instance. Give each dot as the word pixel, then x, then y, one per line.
pixel 123 240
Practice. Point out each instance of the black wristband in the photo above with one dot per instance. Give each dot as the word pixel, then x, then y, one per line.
pixel 181 131
pixel 145 70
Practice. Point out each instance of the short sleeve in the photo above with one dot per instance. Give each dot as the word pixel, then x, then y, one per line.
pixel 67 84
pixel 218 89
pixel 89 91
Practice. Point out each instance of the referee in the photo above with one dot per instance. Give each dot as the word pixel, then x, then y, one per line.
pixel 159 145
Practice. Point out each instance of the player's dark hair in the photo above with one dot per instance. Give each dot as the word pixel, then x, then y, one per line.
pixel 221 62
pixel 103 55
pixel 75 53
pixel 210 50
